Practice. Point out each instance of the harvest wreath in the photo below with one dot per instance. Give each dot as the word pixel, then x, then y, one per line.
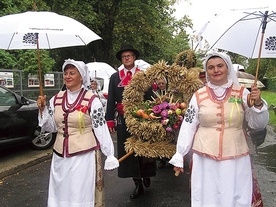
pixel 154 132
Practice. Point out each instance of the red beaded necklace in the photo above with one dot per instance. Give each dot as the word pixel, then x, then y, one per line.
pixel 221 97
pixel 72 106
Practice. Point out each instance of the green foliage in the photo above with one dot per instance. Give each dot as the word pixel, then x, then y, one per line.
pixel 28 61
pixel 271 84
pixel 7 60
pixel 270 98
pixel 149 26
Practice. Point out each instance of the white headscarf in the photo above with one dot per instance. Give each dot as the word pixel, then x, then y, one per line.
pixel 82 68
pixel 97 82
pixel 231 71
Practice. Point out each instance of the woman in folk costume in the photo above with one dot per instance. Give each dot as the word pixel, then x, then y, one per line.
pixel 77 116
pixel 138 168
pixel 96 89
pixel 213 129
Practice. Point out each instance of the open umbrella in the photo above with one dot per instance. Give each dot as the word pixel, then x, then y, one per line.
pixel 42 30
pixel 100 69
pixel 141 64
pixel 248 33
pixel 102 72
pixel 246 80
pixel 241 32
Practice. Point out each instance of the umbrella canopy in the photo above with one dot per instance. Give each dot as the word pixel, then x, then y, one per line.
pixel 102 72
pixel 42 30
pixel 100 69
pixel 238 67
pixel 241 32
pixel 246 80
pixel 20 31
pixel 141 64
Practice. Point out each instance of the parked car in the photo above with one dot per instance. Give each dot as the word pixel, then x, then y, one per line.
pixel 19 121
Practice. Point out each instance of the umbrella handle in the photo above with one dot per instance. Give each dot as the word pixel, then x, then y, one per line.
pixel 126 156
pixel 177 173
pixel 250 102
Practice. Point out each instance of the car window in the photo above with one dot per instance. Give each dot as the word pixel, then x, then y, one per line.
pixel 6 98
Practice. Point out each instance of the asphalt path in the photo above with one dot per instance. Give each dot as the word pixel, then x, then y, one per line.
pixel 24 175
pixel 29 187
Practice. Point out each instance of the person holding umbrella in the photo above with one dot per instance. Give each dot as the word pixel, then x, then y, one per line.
pixel 138 168
pixel 78 117
pixel 213 129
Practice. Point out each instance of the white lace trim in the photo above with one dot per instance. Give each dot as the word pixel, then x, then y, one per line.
pixel 219 90
pixel 111 163
pixel 177 160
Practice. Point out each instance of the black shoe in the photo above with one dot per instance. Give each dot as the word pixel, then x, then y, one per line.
pixel 146 182
pixel 139 190
pixel 161 164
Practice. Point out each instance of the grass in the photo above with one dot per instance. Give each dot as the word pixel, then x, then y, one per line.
pixel 270 97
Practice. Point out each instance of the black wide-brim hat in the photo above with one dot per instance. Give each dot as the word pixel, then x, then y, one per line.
pixel 125 48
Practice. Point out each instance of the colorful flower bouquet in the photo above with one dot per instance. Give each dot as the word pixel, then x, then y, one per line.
pixel 162 109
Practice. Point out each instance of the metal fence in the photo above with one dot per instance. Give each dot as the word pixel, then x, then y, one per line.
pixel 27 85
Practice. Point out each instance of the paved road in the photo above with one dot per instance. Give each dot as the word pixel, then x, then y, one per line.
pixel 24 181
pixel 29 187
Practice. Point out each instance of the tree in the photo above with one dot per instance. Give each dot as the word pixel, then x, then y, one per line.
pixel 147 25
pixel 7 60
pixel 267 67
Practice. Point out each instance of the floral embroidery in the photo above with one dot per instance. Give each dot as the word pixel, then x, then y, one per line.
pixel 189 115
pixel 98 117
pixel 50 111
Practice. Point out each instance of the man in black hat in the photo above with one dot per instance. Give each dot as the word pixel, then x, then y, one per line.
pixel 138 168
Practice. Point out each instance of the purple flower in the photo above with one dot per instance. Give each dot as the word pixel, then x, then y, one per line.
pixel 156 109
pixel 164 113
pixel 173 107
pixel 169 129
pixel 164 105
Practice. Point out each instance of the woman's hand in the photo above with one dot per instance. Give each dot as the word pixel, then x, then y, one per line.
pixel 41 102
pixel 255 95
pixel 112 130
pixel 178 170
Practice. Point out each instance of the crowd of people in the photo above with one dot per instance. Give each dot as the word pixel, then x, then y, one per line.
pixel 212 132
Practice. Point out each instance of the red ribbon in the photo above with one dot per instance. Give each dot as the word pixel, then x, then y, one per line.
pixel 83 109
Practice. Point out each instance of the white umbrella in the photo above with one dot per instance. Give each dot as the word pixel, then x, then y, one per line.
pixel 238 67
pixel 100 69
pixel 42 30
pixel 141 64
pixel 248 33
pixel 241 32
pixel 246 80
pixel 102 72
